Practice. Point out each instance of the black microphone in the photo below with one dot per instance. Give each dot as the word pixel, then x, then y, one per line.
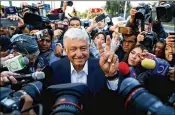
pixel 32 76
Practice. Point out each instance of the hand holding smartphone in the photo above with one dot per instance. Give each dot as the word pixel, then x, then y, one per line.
pixel 5 23
pixel 100 17
pixel 125 30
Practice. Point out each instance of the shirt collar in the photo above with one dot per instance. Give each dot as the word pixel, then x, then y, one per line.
pixel 85 68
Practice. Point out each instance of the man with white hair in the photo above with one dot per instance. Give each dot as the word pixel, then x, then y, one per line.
pixel 100 75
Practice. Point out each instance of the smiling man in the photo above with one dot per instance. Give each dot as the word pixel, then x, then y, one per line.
pixel 100 75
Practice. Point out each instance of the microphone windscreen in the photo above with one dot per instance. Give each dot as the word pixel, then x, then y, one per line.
pixel 148 63
pixel 123 68
pixel 25 60
pixel 38 75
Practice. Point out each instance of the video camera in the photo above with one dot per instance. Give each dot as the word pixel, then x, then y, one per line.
pixel 144 13
pixel 11 101
pixel 69 99
pixel 41 34
pixel 138 101
pixel 166 12
pixel 150 38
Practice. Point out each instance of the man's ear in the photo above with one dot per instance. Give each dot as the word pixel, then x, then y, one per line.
pixel 65 50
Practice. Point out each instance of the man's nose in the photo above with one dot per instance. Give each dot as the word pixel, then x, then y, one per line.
pixel 79 53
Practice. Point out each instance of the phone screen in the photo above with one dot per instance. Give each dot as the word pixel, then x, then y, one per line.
pixel 5 23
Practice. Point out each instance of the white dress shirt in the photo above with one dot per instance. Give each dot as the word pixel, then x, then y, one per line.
pixel 81 77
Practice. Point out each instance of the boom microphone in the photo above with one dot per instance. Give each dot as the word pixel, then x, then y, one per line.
pixel 32 76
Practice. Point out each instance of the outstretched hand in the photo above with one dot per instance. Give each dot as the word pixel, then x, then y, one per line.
pixel 108 59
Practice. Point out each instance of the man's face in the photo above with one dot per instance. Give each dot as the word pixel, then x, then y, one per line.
pixel 75 24
pixel 128 43
pixel 44 44
pixel 77 52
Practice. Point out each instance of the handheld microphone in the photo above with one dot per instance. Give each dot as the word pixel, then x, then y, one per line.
pixel 15 64
pixel 32 76
pixel 126 70
pixel 158 66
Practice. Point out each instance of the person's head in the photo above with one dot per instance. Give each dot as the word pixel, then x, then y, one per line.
pixel 25 45
pixel 76 46
pixel 168 53
pixel 66 20
pixel 45 43
pixel 99 37
pixel 128 42
pixel 134 57
pixel 74 22
pixel 159 49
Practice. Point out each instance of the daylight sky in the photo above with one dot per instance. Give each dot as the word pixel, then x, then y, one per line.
pixel 79 5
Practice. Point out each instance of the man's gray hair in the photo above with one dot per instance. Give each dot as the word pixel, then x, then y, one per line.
pixel 75 33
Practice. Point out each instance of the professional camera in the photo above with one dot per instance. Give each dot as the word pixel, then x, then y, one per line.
pixel 69 3
pixel 150 38
pixel 11 101
pixel 166 12
pixel 138 101
pixel 71 98
pixel 41 34
pixel 142 12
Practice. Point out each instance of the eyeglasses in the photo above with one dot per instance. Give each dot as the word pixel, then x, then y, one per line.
pixel 130 42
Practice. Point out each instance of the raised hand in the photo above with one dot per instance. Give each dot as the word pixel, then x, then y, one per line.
pixel 108 59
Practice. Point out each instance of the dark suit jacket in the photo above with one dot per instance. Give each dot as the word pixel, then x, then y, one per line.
pixel 104 101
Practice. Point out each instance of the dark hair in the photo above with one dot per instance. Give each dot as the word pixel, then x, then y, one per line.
pixel 161 40
pixel 98 34
pixel 129 35
pixel 126 56
pixel 75 18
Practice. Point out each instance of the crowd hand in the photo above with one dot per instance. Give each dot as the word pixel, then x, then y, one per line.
pixel 7 76
pixel 93 26
pixel 140 37
pixel 28 102
pixel 33 32
pixel 115 41
pixel 7 57
pixel 58 50
pixel 171 42
pixel 15 17
pixel 57 34
pixel 108 59
pixel 132 12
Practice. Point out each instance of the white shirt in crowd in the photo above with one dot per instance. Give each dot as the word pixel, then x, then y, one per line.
pixel 81 77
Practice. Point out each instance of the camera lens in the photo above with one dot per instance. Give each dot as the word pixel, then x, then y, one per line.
pixel 138 100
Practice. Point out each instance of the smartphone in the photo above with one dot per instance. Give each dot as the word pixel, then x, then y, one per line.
pixel 61 26
pixel 5 23
pixel 124 30
pixel 10 10
pixel 100 17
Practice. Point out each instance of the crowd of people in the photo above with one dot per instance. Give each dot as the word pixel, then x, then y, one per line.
pixel 89 56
